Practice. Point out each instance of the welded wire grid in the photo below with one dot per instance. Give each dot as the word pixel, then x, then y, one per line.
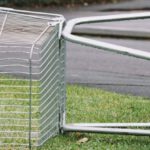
pixel 29 78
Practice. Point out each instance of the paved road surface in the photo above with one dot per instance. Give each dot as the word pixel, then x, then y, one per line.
pixel 127 5
pixel 107 70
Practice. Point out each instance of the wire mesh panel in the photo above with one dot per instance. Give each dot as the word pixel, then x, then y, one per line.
pixel 29 78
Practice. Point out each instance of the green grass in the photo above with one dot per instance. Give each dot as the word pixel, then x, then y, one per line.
pixel 84 104
pixel 14 105
pixel 95 105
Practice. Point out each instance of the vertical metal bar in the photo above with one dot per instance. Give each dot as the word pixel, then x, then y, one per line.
pixel 62 83
pixel 30 102
pixel 59 102
pixel 64 102
pixel 4 22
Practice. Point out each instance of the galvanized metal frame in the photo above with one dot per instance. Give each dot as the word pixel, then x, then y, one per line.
pixel 112 128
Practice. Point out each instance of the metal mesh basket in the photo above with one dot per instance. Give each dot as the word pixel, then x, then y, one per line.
pixel 31 77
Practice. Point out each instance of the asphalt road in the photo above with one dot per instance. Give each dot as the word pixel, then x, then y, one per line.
pixel 127 5
pixel 107 70
pixel 110 71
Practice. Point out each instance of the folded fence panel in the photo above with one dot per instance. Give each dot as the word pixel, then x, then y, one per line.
pixel 31 69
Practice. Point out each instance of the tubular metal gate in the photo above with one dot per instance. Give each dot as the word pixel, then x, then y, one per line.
pixel 32 77
pixel 114 128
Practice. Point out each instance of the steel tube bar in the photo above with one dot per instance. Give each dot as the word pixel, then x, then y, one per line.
pixel 70 128
pixel 103 45
pixel 124 125
pixel 111 128
pixel 40 15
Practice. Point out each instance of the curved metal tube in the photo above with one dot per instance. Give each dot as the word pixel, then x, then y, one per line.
pixel 113 128
pixel 103 45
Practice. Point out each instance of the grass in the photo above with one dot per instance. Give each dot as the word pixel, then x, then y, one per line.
pixel 14 107
pixel 83 105
pixel 95 105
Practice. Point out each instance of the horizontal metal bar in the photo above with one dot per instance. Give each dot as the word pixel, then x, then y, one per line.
pixel 16 59
pixel 25 73
pixel 22 93
pixel 26 132
pixel 70 128
pixel 6 8
pixel 19 106
pixel 19 65
pixel 103 45
pixel 30 12
pixel 36 15
pixel 18 52
pixel 16 46
pixel 15 112
pixel 13 144
pixel 14 138
pixel 11 112
pixel 15 86
pixel 97 125
pixel 14 125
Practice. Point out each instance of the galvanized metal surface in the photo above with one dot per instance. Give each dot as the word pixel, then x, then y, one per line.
pixel 62 69
pixel 49 86
pixel 29 77
pixel 141 132
pixel 112 128
pixel 119 125
pixel 103 45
